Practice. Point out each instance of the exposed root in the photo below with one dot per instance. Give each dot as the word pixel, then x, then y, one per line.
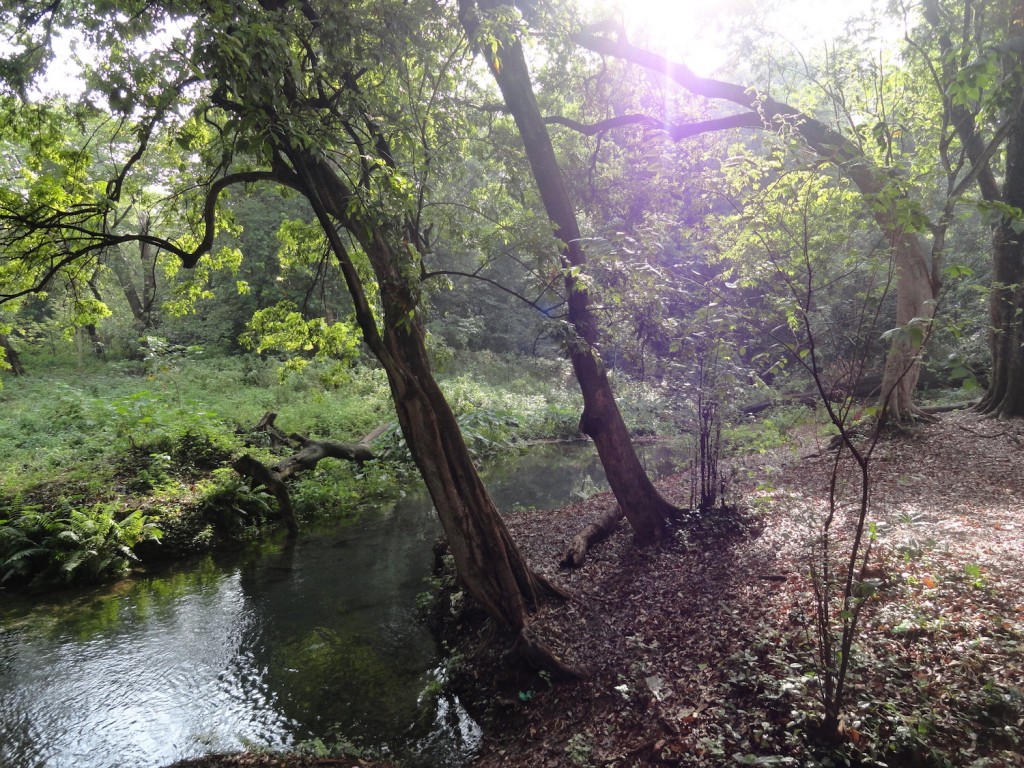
pixel 551 589
pixel 538 656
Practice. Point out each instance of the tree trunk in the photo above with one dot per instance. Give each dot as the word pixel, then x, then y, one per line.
pixel 487 560
pixel 122 271
pixel 1005 395
pixel 141 305
pixel 11 356
pixel 645 508
pixel 915 309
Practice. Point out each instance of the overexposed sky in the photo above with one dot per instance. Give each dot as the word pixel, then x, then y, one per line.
pixel 695 31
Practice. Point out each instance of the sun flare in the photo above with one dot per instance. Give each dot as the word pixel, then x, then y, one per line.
pixel 698 31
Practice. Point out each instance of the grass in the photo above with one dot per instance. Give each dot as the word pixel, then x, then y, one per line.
pixel 156 437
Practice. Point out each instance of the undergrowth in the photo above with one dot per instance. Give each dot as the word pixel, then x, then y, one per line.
pixel 88 440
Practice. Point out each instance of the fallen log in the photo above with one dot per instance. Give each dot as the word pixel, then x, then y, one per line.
pixel 597 531
pixel 276 437
pixel 308 453
pixel 313 451
pixel 260 474
pixel 807 398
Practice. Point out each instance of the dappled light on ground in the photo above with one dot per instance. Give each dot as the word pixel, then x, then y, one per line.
pixel 703 652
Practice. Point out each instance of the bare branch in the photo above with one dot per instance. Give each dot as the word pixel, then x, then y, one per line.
pixel 673 131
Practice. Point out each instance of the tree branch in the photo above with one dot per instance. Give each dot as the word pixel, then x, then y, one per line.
pixel 72 239
pixel 488 280
pixel 673 131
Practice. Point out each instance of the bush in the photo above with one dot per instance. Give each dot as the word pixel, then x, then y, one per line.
pixel 76 545
pixel 232 508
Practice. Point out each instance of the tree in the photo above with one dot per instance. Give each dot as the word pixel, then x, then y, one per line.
pixel 11 359
pixel 972 52
pixel 280 92
pixel 142 303
pixel 896 203
pixel 491 26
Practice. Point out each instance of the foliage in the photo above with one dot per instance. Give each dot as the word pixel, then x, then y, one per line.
pixel 233 509
pixel 282 328
pixel 70 545
pixel 158 435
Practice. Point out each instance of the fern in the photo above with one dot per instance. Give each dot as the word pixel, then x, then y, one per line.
pixel 84 544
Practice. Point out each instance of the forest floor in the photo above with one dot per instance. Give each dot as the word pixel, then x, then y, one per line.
pixel 702 653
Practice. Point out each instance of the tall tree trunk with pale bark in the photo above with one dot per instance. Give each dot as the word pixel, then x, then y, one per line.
pixel 140 304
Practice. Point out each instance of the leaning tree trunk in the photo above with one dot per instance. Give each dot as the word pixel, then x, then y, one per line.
pixel 1005 395
pixel 487 559
pixel 645 508
pixel 489 564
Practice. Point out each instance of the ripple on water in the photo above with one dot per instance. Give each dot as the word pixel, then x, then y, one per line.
pixel 314 640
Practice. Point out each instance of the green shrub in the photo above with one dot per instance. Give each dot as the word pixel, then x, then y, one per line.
pixel 232 507
pixel 70 546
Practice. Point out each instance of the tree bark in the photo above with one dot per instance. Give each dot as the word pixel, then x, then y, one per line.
pixel 1005 395
pixel 489 564
pixel 263 475
pixel 141 305
pixel 309 452
pixel 11 356
pixel 645 508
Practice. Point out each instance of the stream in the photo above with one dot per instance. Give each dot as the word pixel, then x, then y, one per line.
pixel 312 643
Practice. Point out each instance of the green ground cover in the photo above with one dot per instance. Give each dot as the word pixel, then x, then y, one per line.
pixel 101 458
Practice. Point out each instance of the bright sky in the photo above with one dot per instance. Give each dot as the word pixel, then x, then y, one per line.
pixel 693 30
pixel 690 30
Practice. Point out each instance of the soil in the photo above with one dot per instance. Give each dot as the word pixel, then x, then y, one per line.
pixel 704 652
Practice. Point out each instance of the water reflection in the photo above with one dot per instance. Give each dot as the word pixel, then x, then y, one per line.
pixel 137 691
pixel 285 643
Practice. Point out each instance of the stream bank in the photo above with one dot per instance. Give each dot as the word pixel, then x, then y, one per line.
pixel 312 644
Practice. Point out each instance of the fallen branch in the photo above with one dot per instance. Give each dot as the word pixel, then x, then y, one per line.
pixel 260 474
pixel 308 454
pixel 313 451
pixel 597 531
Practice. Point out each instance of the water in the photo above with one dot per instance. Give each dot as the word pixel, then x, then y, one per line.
pixel 287 643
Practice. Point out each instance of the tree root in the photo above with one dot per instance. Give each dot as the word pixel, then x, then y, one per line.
pixel 534 653
pixel 597 531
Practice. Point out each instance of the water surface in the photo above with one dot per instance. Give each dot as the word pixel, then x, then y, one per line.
pixel 310 641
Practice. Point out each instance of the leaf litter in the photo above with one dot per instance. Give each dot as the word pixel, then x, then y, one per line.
pixel 702 652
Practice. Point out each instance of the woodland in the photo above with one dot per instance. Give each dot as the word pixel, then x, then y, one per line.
pixel 263 260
